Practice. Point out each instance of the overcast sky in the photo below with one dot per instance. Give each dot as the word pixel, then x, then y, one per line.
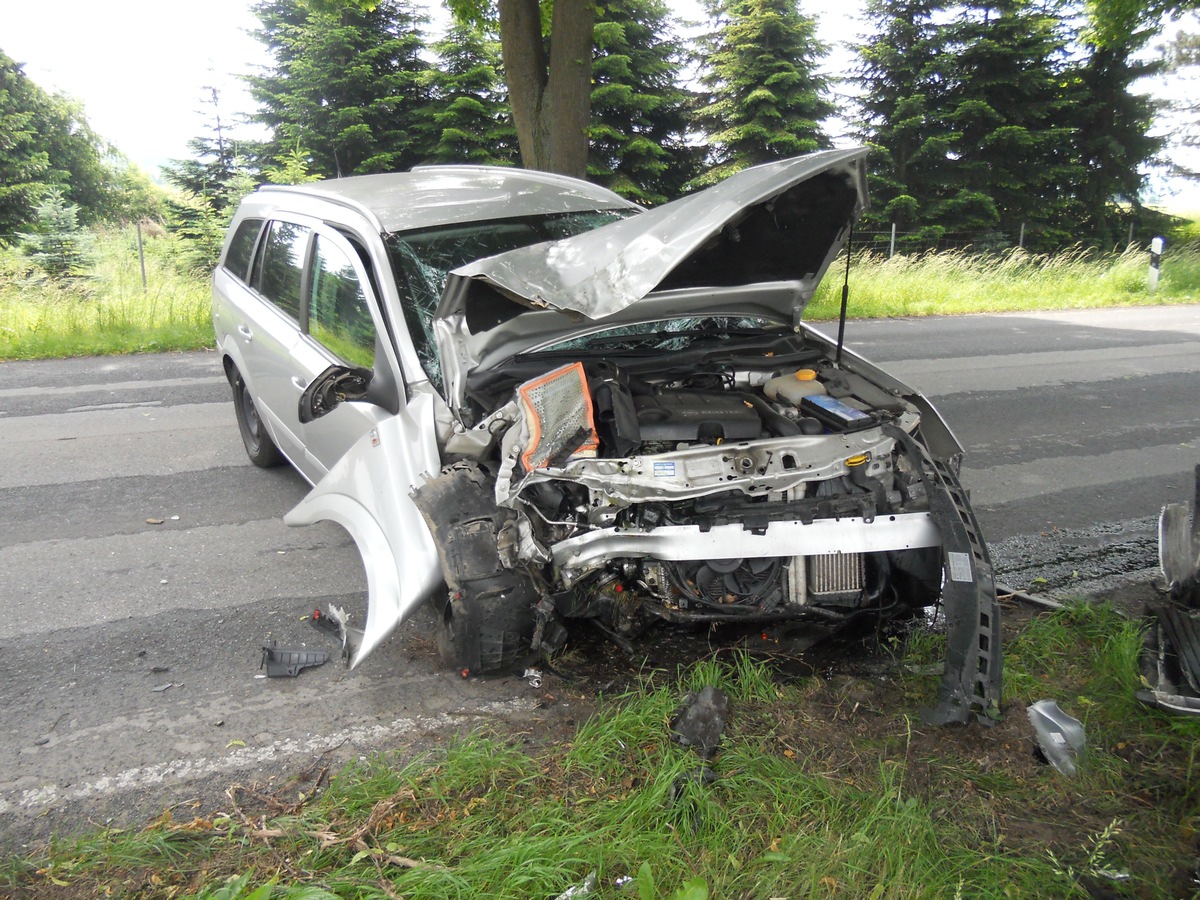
pixel 141 66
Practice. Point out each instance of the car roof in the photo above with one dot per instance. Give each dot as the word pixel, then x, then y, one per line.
pixel 429 196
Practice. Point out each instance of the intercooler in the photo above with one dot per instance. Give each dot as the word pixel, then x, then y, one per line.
pixel 826 578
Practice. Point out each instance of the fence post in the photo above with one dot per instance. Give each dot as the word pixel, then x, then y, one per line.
pixel 141 256
pixel 1021 239
pixel 1130 241
pixel 1156 249
pixel 892 245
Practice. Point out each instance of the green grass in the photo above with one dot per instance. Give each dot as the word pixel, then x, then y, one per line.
pixel 811 798
pixel 954 283
pixel 106 311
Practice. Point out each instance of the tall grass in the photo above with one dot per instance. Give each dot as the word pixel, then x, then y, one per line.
pixel 957 282
pixel 107 310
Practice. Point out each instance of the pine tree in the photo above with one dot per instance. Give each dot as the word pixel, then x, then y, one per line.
pixel 638 135
pixel 899 73
pixel 1111 141
pixel 1007 106
pixel 346 84
pixel 763 98
pixel 468 119
pixel 58 244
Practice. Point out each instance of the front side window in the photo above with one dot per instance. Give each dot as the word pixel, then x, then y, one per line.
pixel 338 315
pixel 283 259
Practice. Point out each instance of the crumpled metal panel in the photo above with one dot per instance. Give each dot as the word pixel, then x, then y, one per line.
pixel 603 271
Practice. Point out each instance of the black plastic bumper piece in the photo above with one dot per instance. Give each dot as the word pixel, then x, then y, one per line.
pixel 973 674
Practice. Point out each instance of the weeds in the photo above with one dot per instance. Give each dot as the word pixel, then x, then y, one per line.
pixel 956 282
pixel 107 310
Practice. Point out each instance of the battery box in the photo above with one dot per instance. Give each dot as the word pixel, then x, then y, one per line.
pixel 835 414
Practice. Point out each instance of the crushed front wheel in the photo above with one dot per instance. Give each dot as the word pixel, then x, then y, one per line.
pixel 486 623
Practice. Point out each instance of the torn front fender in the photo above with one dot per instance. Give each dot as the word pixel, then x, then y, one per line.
pixel 367 493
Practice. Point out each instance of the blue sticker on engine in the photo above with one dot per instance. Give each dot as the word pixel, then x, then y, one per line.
pixel 664 470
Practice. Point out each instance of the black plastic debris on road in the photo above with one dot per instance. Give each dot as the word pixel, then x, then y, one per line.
pixel 281 663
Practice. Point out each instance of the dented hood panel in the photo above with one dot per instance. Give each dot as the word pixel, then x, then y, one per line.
pixel 716 236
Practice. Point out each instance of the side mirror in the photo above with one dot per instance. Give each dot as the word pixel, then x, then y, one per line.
pixel 333 386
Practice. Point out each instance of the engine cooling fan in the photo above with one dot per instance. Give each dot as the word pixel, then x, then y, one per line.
pixel 719 582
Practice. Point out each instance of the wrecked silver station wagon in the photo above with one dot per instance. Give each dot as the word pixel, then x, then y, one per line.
pixel 531 402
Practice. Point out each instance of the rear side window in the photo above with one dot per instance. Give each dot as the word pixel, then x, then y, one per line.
pixel 241 247
pixel 338 316
pixel 282 263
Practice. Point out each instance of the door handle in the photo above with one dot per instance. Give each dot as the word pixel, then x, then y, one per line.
pixel 244 331
pixel 299 383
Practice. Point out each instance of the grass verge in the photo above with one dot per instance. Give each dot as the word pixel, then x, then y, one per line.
pixel 824 787
pixel 954 282
pixel 107 311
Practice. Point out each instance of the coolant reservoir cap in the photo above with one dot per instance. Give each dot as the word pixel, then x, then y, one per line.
pixel 806 375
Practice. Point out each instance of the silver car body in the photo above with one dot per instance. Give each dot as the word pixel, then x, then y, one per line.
pixel 723 252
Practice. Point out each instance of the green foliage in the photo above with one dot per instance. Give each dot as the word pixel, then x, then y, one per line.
pixel 640 116
pixel 468 118
pixel 348 84
pixel 200 220
pixel 42 317
pixel 763 99
pixel 291 168
pixel 58 244
pixel 985 116
pixel 955 282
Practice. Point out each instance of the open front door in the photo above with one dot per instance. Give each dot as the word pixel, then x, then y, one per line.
pixel 367 493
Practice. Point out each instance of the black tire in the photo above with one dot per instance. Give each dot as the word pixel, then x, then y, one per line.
pixel 259 446
pixel 486 632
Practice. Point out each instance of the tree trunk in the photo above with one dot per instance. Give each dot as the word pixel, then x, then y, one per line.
pixel 550 95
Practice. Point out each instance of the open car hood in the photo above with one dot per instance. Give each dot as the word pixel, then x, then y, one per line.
pixel 777 224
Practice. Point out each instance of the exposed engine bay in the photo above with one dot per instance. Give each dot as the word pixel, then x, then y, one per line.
pixel 765 485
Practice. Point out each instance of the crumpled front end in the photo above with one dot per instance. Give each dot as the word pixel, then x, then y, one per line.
pixel 778 492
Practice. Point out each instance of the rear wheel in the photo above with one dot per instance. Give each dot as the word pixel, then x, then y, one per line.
pixel 259 446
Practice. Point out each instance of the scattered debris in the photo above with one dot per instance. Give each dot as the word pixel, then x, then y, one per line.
pixel 159 670
pixel 1060 737
pixel 41 742
pixel 1004 592
pixel 1179 548
pixel 163 687
pixel 154 521
pixel 280 663
pixel 700 721
pixel 1171 660
pixel 324 623
pixel 585 889
pixel 533 677
pixel 1171 653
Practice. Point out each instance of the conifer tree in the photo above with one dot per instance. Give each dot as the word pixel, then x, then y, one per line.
pixel 1007 106
pixel 763 99
pixel 899 73
pixel 638 135
pixel 348 84
pixel 468 118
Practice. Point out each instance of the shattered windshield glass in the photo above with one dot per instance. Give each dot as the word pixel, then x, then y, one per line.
pixel 421 260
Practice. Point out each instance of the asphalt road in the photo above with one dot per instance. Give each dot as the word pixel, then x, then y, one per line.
pixel 129 650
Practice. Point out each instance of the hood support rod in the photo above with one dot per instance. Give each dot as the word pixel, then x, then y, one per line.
pixel 845 299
